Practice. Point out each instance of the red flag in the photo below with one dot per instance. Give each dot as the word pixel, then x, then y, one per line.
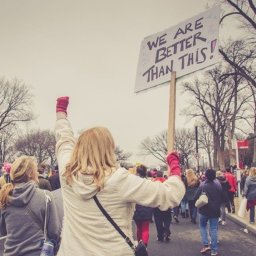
pixel 242 144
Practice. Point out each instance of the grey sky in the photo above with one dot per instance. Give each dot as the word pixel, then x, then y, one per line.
pixel 88 50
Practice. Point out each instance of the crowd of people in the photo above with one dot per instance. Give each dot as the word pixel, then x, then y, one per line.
pixel 61 208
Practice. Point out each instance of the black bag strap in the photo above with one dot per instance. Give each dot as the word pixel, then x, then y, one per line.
pixel 126 238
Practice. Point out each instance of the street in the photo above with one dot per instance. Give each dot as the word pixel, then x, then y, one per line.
pixel 185 241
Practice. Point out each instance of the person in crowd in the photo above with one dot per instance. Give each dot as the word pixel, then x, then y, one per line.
pixel 23 211
pixel 232 191
pixel 162 218
pixel 192 183
pixel 54 179
pixel 225 188
pixel 43 181
pixel 210 213
pixel 88 168
pixel 143 214
pixel 184 208
pixel 244 175
pixel 5 178
pixel 250 193
pixel 175 212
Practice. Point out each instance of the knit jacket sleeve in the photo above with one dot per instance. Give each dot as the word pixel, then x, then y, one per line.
pixel 65 142
pixel 154 194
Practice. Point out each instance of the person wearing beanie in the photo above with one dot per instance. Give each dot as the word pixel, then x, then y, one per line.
pixel 89 172
pixel 210 212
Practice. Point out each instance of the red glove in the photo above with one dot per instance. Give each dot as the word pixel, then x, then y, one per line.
pixel 174 163
pixel 62 104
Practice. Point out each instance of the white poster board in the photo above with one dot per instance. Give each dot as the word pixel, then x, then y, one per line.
pixel 184 48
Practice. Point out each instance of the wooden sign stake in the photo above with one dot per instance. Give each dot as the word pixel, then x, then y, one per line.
pixel 172 108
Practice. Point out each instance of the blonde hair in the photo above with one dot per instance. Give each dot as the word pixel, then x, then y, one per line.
pixel 219 173
pixel 252 172
pixel 192 179
pixel 24 169
pixel 93 154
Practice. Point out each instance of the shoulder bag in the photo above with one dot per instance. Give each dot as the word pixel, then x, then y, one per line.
pixel 202 200
pixel 140 249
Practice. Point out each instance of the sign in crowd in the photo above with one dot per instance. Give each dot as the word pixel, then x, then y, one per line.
pixel 184 48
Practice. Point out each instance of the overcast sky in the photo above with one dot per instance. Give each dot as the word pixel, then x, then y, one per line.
pixel 89 51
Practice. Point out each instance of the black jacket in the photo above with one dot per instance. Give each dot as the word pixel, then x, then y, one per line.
pixel 143 213
pixel 213 191
pixel 225 188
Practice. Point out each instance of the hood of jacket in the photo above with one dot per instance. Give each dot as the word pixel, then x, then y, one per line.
pixel 84 186
pixel 22 193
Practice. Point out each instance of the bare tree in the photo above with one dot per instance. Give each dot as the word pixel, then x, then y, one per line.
pixel 122 157
pixel 243 11
pixel 157 146
pixel 185 144
pixel 15 103
pixel 215 98
pixel 206 141
pixel 7 137
pixel 40 144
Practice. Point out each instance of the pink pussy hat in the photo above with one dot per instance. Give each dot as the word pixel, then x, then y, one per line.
pixel 7 167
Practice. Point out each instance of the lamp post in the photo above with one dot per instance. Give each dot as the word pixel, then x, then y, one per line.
pixel 197 154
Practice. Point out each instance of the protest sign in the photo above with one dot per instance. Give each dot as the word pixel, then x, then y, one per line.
pixel 184 48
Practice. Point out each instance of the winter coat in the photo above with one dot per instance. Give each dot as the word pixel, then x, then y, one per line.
pixel 44 183
pixel 213 191
pixel 225 188
pixel 24 235
pixel 191 191
pixel 250 188
pixel 86 231
pixel 142 213
pixel 232 181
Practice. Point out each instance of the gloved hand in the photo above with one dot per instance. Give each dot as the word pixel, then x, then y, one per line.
pixel 174 163
pixel 62 104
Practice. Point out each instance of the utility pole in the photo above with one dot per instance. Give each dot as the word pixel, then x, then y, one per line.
pixel 232 156
pixel 197 153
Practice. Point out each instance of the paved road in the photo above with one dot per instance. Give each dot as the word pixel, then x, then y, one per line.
pixel 185 241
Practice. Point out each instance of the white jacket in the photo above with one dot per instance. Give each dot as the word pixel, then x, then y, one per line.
pixel 86 231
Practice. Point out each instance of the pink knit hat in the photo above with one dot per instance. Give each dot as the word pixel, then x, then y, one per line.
pixel 7 167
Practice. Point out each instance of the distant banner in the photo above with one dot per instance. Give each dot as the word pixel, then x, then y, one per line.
pixel 185 48
pixel 242 144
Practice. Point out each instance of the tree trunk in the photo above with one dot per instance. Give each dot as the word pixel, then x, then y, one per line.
pixel 209 158
pixel 215 151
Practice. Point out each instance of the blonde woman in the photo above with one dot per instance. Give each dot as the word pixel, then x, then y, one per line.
pixel 250 193
pixel 192 184
pixel 23 208
pixel 87 168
